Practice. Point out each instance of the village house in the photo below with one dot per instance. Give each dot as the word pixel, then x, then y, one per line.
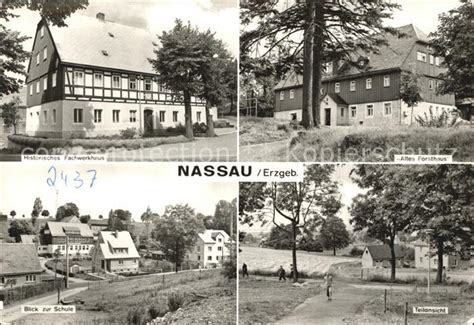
pixel 379 256
pixel 452 261
pixel 78 235
pixel 98 225
pixel 19 265
pixel 93 78
pixel 115 252
pixel 212 248
pixel 370 94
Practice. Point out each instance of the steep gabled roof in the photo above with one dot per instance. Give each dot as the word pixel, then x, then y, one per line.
pixel 101 43
pixel 60 228
pixel 382 252
pixel 19 259
pixel 209 236
pixel 28 239
pixel 391 56
pixel 110 240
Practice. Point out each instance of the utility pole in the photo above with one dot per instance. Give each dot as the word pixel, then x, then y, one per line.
pixel 67 262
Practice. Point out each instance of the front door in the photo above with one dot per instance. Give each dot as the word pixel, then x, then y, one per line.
pixel 327 116
pixel 148 120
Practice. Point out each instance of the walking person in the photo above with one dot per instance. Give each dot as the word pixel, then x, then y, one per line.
pixel 245 271
pixel 282 274
pixel 328 280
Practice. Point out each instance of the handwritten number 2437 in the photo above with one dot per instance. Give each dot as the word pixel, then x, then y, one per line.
pixel 76 180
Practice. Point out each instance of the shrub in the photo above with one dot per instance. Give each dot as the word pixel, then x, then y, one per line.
pixel 356 251
pixel 199 128
pixel 128 133
pixel 229 269
pixel 155 311
pixel 284 127
pixel 137 315
pixel 175 301
pixel 433 121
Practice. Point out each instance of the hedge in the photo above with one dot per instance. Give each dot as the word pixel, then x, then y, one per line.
pixel 24 292
pixel 50 143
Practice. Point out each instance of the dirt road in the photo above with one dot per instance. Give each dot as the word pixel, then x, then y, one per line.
pixel 14 313
pixel 318 310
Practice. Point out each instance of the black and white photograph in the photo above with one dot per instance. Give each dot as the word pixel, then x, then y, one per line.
pixel 117 244
pixel 331 80
pixel 135 80
pixel 358 244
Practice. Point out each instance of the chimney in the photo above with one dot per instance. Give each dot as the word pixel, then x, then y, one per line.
pixel 100 16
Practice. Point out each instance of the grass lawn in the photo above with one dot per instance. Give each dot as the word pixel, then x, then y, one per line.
pixel 254 130
pixel 137 300
pixel 263 301
pixel 460 307
pixel 350 143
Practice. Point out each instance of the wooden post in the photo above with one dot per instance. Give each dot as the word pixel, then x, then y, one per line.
pixel 406 313
pixel 163 279
pixel 385 301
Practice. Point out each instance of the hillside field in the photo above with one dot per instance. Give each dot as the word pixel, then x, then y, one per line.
pixel 267 260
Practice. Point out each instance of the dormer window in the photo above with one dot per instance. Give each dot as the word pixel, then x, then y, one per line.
pixel 363 61
pixel 105 53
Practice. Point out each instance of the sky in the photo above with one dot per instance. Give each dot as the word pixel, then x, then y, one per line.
pixel 347 189
pixel 220 16
pixel 130 186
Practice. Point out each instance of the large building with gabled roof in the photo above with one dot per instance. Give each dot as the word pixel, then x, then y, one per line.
pixel 369 94
pixel 19 265
pixel 93 78
pixel 78 236
pixel 212 248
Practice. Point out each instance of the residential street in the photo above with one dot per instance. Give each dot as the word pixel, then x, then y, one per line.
pixel 14 313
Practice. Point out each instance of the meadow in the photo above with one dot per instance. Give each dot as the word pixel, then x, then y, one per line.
pixel 267 261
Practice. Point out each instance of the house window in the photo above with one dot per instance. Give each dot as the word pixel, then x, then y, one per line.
pixel 353 111
pixel 219 248
pixel 120 261
pixel 31 89
pixel 437 61
pixel 328 67
pixel 386 81
pixel 45 117
pixel 431 84
pixel 97 116
pixel 133 116
pixel 98 80
pixel 337 87
pixel 116 116
pixel 432 59
pixel 162 116
pixel 217 258
pixel 387 109
pixel 37 87
pixel 42 31
pixel 45 53
pixel 175 116
pixel 342 111
pixel 115 81
pixel 54 116
pixel 209 248
pixel 421 56
pixel 78 115
pixel 352 86
pixel 454 263
pixel 147 84
pixel 199 257
pixel 30 278
pixel 209 258
pixel 37 59
pixel 78 78
pixel 198 116
pixel 45 83
pixel 132 84
pixel 2 280
pixel 292 94
pixel 282 95
pixel 368 83
pixel 53 81
pixel 219 240
pixel 370 110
